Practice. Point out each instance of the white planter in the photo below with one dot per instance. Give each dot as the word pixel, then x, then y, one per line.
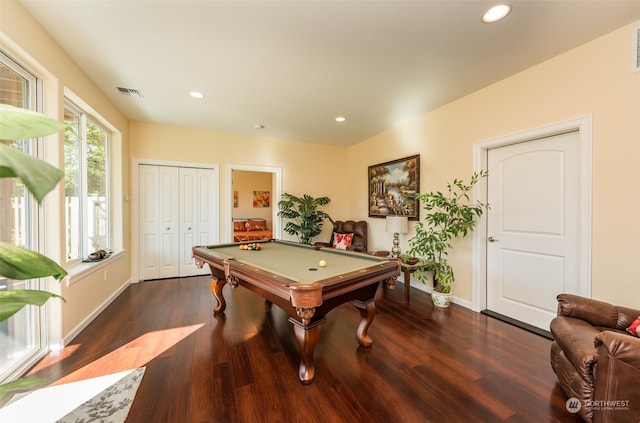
pixel 441 299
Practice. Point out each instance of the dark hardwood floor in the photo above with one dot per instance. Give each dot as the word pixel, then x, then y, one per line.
pixel 426 364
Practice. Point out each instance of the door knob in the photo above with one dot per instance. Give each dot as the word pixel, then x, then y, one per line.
pixel 491 239
pixel 167 228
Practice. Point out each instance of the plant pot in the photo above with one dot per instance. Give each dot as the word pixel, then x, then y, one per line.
pixel 440 299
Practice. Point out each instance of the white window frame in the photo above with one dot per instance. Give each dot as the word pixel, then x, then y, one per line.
pixel 34 232
pixel 85 116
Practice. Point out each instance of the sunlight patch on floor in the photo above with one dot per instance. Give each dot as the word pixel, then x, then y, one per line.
pixel 54 358
pixel 136 353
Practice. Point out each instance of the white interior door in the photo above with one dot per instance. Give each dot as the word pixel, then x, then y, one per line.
pixel 208 205
pixel 533 250
pixel 169 218
pixel 178 210
pixel 149 221
pixel 197 225
pixel 188 204
pixel 158 222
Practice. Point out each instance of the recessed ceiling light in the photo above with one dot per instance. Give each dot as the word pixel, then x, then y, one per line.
pixel 340 119
pixel 496 13
pixel 196 94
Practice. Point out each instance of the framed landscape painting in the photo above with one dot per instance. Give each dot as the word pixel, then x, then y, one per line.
pixel 393 186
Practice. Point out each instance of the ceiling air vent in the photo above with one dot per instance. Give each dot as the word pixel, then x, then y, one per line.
pixel 130 92
pixel 635 64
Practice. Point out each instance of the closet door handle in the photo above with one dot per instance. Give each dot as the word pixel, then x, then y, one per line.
pixel 491 239
pixel 167 228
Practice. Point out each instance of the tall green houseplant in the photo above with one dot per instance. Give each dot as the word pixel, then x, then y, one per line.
pixel 39 178
pixel 306 218
pixel 449 215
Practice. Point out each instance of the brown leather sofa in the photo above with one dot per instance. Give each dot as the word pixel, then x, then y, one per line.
pixel 358 229
pixel 596 360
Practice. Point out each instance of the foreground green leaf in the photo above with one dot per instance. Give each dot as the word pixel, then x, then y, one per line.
pixel 17 123
pixel 39 177
pixel 12 302
pixel 20 384
pixel 21 264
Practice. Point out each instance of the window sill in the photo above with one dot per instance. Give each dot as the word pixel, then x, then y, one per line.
pixel 81 270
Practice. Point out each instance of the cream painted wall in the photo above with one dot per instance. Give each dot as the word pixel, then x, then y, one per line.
pixel 306 168
pixel 594 79
pixel 24 40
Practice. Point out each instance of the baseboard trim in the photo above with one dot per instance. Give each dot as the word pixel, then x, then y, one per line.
pixel 522 325
pixel 75 331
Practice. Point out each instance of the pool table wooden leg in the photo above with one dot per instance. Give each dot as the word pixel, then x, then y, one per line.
pixel 268 305
pixel 216 290
pixel 367 313
pixel 307 337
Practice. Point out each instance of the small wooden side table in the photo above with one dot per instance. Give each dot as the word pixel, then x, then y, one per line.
pixel 408 270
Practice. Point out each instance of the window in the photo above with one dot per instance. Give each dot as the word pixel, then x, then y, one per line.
pixel 86 163
pixel 22 338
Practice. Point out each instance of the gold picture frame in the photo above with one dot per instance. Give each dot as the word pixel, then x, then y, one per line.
pixel 393 186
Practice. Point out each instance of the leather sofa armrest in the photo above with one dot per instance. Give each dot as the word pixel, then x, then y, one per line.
pixel 619 346
pixel 617 375
pixel 597 313
pixel 626 316
pixel 575 338
pixel 357 247
pixel 322 244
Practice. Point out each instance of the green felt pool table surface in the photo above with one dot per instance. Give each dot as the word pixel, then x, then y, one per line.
pixel 296 262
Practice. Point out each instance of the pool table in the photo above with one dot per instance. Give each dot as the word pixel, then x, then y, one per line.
pixel 291 276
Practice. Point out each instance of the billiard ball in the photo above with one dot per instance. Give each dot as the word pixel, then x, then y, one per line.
pixel 322 263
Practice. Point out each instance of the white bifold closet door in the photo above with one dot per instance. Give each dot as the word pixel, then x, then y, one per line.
pixel 176 213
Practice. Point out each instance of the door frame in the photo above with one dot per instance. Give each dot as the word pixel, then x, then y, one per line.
pixel 480 161
pixel 277 194
pixel 135 203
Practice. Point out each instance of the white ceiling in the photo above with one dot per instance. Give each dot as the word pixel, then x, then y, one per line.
pixel 293 66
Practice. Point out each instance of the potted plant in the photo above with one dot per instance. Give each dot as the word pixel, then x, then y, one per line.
pixel 306 218
pixel 449 215
pixel 39 178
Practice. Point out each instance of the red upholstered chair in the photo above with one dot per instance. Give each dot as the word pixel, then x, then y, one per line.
pixel 358 229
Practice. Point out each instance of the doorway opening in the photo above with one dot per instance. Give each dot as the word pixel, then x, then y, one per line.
pixel 253 192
